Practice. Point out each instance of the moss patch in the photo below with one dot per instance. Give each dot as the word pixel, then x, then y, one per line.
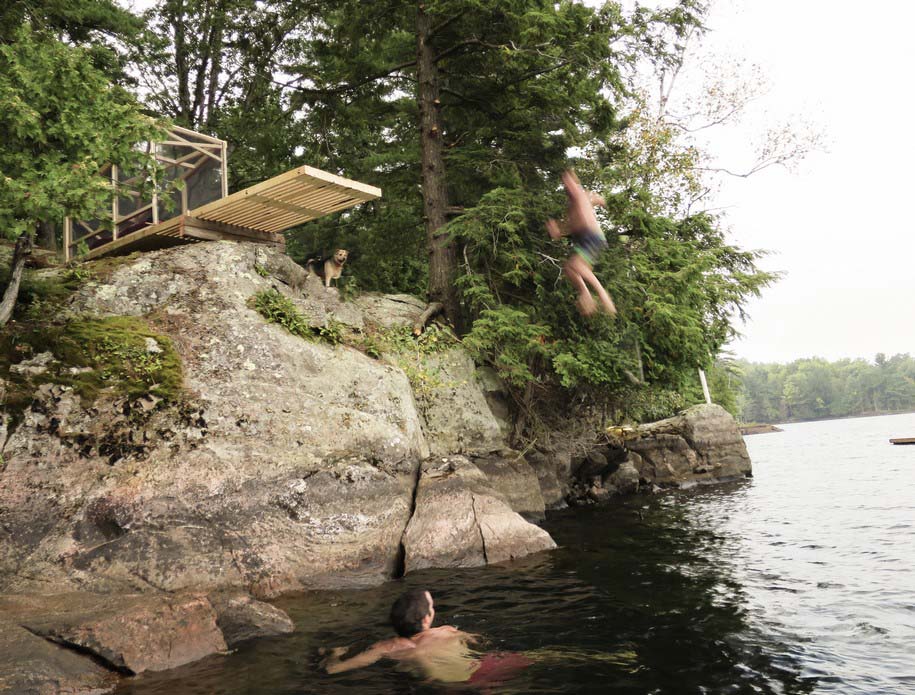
pixel 277 308
pixel 410 353
pixel 119 354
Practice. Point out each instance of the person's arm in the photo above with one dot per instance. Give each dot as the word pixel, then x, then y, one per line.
pixel 555 229
pixel 332 663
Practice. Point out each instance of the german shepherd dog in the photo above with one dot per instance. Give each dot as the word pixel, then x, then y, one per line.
pixel 330 268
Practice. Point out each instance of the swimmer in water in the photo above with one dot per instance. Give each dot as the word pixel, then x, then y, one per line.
pixel 439 653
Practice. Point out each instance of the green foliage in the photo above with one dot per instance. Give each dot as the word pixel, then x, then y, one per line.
pixel 277 308
pixel 401 340
pixel 61 120
pixel 508 339
pixel 332 332
pixel 261 270
pixel 813 388
pixel 522 83
pixel 348 286
pixel 119 353
pixel 677 283
pixel 416 355
pixel 648 404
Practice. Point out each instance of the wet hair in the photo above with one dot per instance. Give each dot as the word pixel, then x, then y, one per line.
pixel 408 612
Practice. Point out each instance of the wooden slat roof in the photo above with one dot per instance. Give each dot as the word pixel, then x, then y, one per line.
pixel 287 200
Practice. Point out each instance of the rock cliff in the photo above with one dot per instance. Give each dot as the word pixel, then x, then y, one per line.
pixel 166 440
pixel 205 427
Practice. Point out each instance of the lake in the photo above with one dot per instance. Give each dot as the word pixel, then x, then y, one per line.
pixel 800 580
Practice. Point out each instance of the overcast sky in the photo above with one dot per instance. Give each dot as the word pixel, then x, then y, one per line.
pixel 841 227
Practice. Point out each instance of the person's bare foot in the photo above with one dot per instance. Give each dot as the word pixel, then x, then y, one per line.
pixel 609 307
pixel 586 305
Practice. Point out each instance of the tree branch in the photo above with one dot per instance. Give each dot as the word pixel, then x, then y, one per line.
pixel 22 251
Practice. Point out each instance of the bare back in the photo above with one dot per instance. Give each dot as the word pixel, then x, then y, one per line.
pixel 440 654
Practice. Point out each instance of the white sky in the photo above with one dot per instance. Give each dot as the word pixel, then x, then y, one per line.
pixel 841 227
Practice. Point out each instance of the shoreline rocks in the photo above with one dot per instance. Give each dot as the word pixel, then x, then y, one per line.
pixel 701 445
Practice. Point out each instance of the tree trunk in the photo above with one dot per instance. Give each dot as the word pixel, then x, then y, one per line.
pixel 47 236
pixel 442 253
pixel 178 16
pixel 23 250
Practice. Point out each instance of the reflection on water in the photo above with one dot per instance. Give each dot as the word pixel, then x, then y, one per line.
pixel 798 581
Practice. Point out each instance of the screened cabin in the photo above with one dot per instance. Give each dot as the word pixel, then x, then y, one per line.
pixel 143 217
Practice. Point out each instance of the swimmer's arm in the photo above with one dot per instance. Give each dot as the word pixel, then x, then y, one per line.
pixel 334 664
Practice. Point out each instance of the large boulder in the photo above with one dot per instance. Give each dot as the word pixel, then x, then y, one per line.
pixel 32 664
pixel 461 521
pixel 282 464
pixel 289 463
pixel 701 444
pixel 130 634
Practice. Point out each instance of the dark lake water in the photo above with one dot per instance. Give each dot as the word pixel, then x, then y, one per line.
pixel 800 580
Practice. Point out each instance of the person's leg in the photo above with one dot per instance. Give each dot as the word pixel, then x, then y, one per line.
pixel 586 303
pixel 579 266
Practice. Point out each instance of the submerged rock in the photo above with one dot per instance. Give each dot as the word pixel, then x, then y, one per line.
pixel 127 633
pixel 241 617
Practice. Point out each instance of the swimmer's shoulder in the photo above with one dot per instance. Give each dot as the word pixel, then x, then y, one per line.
pixel 394 645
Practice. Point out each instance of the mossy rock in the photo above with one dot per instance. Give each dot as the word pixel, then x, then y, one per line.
pixel 120 354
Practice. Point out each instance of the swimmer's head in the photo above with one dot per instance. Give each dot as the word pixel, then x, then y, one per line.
pixel 412 612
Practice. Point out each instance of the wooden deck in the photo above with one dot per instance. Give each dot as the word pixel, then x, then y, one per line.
pixel 258 213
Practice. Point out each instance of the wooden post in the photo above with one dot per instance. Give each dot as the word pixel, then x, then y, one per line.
pixel 114 202
pixel 225 169
pixel 708 397
pixel 68 238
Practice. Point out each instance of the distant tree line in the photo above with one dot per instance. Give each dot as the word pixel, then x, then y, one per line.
pixel 814 388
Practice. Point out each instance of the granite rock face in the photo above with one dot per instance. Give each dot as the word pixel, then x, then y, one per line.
pixel 32 664
pixel 702 444
pixel 287 464
pixel 470 428
pixel 460 520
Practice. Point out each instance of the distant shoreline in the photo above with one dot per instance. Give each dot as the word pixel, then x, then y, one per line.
pixel 763 427
pixel 758 429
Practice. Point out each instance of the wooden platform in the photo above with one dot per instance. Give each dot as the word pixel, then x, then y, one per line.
pixel 258 213
pixel 903 440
